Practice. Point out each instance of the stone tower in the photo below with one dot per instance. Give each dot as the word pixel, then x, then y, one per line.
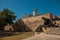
pixel 35 12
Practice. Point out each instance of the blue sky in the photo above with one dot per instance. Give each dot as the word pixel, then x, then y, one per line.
pixel 21 7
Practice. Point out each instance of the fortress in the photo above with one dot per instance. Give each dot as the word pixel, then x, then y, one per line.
pixel 36 23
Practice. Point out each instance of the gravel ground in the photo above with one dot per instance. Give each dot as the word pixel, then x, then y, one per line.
pixel 55 31
pixel 44 36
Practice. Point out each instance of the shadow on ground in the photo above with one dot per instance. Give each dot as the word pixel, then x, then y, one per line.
pixel 4 34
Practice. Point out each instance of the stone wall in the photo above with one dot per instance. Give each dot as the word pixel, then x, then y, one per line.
pixel 8 27
pixel 20 26
pixel 35 21
pixel 32 23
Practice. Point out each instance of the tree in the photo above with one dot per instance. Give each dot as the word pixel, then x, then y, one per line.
pixel 6 17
